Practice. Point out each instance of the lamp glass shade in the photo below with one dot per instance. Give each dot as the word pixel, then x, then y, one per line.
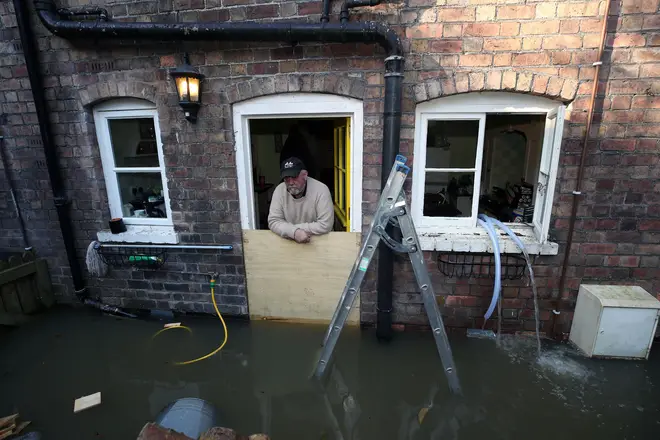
pixel 193 89
pixel 182 87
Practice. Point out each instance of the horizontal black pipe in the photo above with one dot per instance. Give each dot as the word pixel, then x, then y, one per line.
pixel 62 205
pixel 291 32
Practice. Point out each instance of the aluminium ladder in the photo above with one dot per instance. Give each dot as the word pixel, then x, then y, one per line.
pixel 392 208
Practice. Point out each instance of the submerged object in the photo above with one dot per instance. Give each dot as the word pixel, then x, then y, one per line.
pixel 189 416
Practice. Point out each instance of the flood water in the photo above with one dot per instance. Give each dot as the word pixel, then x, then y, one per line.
pixel 259 382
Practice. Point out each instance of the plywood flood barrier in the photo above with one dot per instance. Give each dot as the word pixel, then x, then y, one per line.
pixel 298 282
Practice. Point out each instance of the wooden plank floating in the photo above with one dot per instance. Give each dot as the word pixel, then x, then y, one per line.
pixel 298 282
pixel 87 402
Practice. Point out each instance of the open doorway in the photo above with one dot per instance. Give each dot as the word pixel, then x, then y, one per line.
pixel 323 144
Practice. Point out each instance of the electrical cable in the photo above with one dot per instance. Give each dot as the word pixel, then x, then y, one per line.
pixel 224 326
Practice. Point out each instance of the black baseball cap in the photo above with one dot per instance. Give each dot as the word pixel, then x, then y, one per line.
pixel 291 167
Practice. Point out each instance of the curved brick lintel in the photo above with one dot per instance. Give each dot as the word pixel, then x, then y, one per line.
pixel 95 93
pixel 336 84
pixel 549 86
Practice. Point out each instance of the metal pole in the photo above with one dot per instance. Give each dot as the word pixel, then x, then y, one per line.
pixel 168 246
pixel 12 191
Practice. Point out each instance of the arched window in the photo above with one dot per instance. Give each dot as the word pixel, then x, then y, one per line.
pixel 493 152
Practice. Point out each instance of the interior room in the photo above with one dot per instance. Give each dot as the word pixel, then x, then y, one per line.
pixel 313 140
pixel 508 170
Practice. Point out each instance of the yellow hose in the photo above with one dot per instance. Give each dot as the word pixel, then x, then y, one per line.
pixel 224 326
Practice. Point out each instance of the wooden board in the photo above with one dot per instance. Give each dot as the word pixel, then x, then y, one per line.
pixel 87 402
pixel 298 282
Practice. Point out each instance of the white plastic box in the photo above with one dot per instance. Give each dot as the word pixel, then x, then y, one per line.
pixel 614 321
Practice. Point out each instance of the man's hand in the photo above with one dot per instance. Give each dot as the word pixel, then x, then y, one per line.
pixel 301 236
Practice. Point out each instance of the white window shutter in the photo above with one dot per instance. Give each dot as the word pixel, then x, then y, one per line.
pixel 545 185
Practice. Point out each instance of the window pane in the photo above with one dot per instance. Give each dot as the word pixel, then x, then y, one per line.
pixel 134 142
pixel 452 144
pixel 448 194
pixel 141 195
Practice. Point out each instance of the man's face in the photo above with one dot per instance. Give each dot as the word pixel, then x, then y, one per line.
pixel 296 185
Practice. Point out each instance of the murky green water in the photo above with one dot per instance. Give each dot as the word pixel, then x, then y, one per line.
pixel 258 383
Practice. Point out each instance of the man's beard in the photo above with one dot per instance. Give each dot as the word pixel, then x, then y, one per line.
pixel 295 191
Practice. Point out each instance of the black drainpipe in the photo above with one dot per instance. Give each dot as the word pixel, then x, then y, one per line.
pixel 344 32
pixel 54 174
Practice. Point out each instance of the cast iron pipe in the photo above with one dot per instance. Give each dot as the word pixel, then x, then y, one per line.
pixel 325 13
pixel 99 13
pixel 578 183
pixel 367 32
pixel 50 152
pixel 12 192
pixel 348 4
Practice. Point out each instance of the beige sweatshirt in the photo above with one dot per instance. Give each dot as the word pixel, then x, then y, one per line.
pixel 313 213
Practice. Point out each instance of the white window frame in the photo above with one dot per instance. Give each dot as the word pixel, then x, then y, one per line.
pixel 463 233
pixel 157 229
pixel 296 105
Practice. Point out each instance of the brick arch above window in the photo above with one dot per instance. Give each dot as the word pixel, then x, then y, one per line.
pixel 335 84
pixel 111 89
pixel 549 86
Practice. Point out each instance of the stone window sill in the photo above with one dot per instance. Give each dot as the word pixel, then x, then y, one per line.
pixel 141 234
pixel 477 240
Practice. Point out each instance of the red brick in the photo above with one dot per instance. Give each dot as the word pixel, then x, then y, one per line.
pixel 561 57
pixel 622 261
pixel 502 59
pixel 585 57
pixel 578 9
pixel 475 60
pixel 618 144
pixel 509 29
pixel 540 84
pixel 494 80
pixel 648 145
pixel 309 8
pixel 631 23
pixel 649 225
pixel 546 10
pixel 562 42
pixel 445 46
pixel 627 40
pixel 654 40
pixel 532 43
pixel 646 102
pixel 652 116
pixel 621 102
pixel 456 14
pixel 645 55
pixel 649 71
pixel 515 12
pixel 314 65
pixel 590 41
pixel 262 11
pixel 530 59
pixel 651 22
pixel 168 61
pixel 639 6
pixel 569 26
pixel 540 27
pixel 502 44
pixel 452 30
pixel 598 248
pixel 482 29
pixel 263 68
pixel 591 25
pixel 429 30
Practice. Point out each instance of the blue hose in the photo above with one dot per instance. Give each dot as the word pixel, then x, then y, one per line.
pixel 488 226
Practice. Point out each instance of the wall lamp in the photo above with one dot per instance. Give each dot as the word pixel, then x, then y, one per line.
pixel 188 83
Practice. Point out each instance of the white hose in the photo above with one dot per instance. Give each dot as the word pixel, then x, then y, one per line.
pixel 522 247
pixel 484 221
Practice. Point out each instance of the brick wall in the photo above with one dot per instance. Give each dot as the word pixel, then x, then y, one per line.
pixel 451 46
